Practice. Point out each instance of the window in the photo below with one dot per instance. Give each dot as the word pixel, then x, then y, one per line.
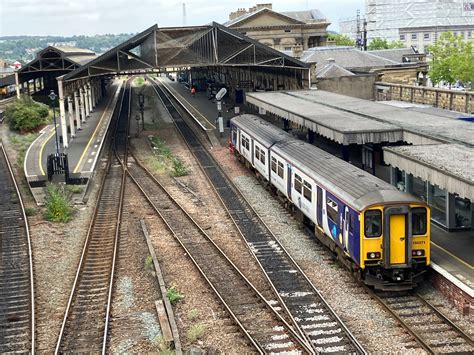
pixel 274 165
pixel 351 223
pixel 245 143
pixel 469 34
pixel 262 156
pixel 298 183
pixel 414 36
pixel 402 37
pixel 280 169
pixel 426 36
pixel 418 221
pixel 373 223
pixel 287 49
pixel 257 152
pixel 307 190
pixel 331 208
pixel 287 30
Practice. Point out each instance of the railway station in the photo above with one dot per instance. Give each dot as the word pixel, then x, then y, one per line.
pixel 210 74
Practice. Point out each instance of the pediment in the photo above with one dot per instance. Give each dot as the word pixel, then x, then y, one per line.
pixel 266 17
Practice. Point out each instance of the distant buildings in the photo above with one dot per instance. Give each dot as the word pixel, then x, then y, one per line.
pixel 295 30
pixel 415 23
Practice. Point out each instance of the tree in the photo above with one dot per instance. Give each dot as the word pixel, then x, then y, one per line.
pixel 341 40
pixel 25 114
pixel 452 59
pixel 382 43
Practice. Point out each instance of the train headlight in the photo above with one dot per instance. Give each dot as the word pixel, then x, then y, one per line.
pixel 374 255
pixel 418 252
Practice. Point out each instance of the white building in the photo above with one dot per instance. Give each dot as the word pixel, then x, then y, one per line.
pixel 418 22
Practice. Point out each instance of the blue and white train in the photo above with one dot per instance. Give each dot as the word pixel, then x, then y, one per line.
pixel 379 232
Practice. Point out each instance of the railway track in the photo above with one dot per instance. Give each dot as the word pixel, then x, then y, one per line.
pixel 17 307
pixel 429 327
pixel 265 329
pixel 309 311
pixel 85 324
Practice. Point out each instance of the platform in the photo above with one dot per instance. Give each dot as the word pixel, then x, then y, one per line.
pixel 83 149
pixel 202 109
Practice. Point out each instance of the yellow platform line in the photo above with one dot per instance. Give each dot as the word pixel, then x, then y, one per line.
pixel 182 97
pixel 454 256
pixel 92 137
pixel 42 148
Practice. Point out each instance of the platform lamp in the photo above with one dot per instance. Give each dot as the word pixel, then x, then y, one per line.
pixel 53 97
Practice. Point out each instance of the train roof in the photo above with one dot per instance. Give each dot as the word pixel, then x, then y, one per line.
pixel 266 133
pixel 356 187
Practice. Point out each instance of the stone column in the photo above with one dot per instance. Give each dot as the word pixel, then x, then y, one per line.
pixel 86 100
pixel 450 211
pixel 93 100
pixel 62 114
pixel 393 176
pixel 83 105
pixel 78 109
pixel 408 182
pixel 71 116
pixel 34 85
pixel 17 84
pixel 89 96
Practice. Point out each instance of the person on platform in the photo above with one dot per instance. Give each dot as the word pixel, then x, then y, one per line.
pixel 193 91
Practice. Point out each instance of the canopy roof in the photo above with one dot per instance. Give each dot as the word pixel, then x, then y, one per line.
pixel 172 48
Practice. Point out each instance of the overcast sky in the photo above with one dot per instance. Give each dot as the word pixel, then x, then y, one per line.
pixel 89 17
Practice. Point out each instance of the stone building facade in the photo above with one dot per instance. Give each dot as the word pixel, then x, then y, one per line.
pixel 285 31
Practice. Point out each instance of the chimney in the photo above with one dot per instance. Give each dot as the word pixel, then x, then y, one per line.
pixel 263 6
pixel 330 60
pixel 238 13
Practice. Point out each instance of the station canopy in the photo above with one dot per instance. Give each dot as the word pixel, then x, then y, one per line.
pixel 175 48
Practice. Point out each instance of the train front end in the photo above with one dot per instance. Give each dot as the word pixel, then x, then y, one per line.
pixel 395 248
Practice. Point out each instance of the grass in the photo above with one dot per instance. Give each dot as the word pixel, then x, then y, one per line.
pixel 75 189
pixel 164 347
pixel 193 314
pixel 196 332
pixel 173 294
pixel 163 159
pixel 58 206
pixel 139 81
pixel 21 142
pixel 29 211
pixel 149 263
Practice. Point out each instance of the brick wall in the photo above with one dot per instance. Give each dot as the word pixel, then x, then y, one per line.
pixel 460 299
pixel 462 101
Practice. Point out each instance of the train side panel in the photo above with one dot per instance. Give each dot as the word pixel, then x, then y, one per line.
pixel 279 173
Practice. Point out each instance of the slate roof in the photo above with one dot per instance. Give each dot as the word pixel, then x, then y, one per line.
pixel 395 54
pixel 332 70
pixel 346 57
pixel 306 16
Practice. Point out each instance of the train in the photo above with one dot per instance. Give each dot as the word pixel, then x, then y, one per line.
pixel 379 232
pixel 7 91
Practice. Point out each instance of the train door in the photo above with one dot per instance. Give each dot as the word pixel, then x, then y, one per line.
pixel 345 232
pixel 397 235
pixel 288 181
pixel 319 206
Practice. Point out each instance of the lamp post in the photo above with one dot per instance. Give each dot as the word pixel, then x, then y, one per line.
pixel 53 97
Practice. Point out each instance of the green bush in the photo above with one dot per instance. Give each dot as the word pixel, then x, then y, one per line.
pixel 21 143
pixel 149 263
pixel 75 189
pixel 26 114
pixel 193 314
pixel 58 206
pixel 173 294
pixel 179 168
pixel 30 211
pixel 196 332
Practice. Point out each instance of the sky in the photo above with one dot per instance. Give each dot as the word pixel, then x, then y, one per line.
pixel 90 17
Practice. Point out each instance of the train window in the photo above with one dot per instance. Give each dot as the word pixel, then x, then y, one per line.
pixel 262 156
pixel 307 190
pixel 373 223
pixel 418 221
pixel 298 183
pixel 331 208
pixel 257 152
pixel 351 223
pixel 245 143
pixel 280 169
pixel 274 165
